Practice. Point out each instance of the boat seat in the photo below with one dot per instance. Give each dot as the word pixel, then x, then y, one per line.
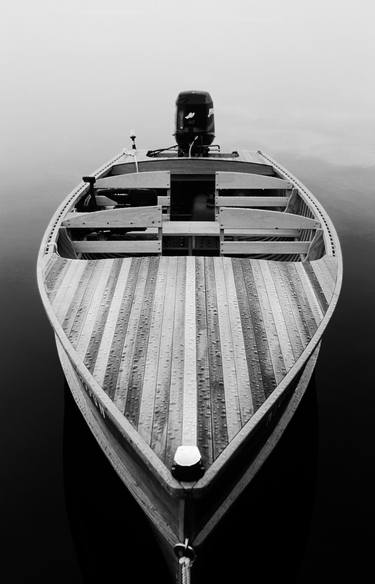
pixel 159 181
pixel 240 189
pixel 131 219
pixel 243 225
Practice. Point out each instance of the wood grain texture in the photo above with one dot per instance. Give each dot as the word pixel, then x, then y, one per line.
pixel 176 393
pixel 244 218
pixel 219 420
pixel 137 367
pixel 146 414
pixel 189 419
pixel 204 406
pixel 160 419
pixel 188 348
pixel 138 180
pixel 242 180
pixel 128 351
pixel 232 405
pixel 123 217
pixel 251 201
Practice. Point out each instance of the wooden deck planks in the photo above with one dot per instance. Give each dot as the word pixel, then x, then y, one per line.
pixel 113 365
pixel 298 338
pixel 325 279
pixel 110 326
pixel 66 289
pixel 189 347
pixel 242 372
pixel 269 325
pixel 54 274
pixel 135 384
pixel 89 308
pixel 71 314
pixel 82 300
pixel 278 316
pixel 312 289
pixel 127 355
pixel 251 349
pixel 204 407
pixel 264 351
pixel 101 316
pixel 219 419
pixel 189 419
pixel 146 413
pixel 299 299
pixel 160 419
pixel 232 405
pixel 175 413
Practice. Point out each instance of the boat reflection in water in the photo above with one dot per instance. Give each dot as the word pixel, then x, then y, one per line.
pixel 262 538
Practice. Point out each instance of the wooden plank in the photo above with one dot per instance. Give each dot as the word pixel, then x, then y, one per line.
pixel 204 407
pixel 164 200
pixel 310 292
pixel 318 290
pixel 296 333
pixel 67 289
pixel 331 263
pixel 195 165
pixel 299 299
pixel 324 277
pixel 242 373
pixel 123 217
pixel 141 247
pixel 261 218
pixel 278 316
pixel 263 247
pixel 90 309
pixel 252 355
pixel 189 420
pixel 242 180
pixel 208 228
pixel 246 233
pixel 110 325
pixel 127 355
pixel 219 421
pixel 146 412
pixel 259 327
pixel 101 316
pixel 270 329
pixel 232 405
pixel 81 290
pixel 160 420
pixel 137 180
pixel 175 413
pixel 135 386
pixel 54 275
pixel 113 364
pixel 251 201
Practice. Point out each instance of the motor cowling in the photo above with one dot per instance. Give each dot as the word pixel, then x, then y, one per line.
pixel 195 123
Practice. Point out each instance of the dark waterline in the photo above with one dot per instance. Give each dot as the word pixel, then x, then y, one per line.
pixel 306 518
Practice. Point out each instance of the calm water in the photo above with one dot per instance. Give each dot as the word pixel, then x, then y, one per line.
pixel 65 517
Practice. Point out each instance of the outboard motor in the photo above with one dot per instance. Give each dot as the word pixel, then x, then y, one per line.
pixel 195 124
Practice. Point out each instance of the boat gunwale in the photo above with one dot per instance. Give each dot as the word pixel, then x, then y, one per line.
pixel 127 430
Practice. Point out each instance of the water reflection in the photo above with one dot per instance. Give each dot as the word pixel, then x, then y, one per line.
pixel 262 537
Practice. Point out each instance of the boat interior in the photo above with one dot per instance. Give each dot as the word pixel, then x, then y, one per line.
pixel 191 209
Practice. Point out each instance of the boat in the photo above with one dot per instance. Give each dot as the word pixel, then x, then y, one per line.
pixel 188 290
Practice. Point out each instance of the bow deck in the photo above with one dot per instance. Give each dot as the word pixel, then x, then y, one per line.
pixel 188 348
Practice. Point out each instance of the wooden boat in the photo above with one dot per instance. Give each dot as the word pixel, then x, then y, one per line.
pixel 188 290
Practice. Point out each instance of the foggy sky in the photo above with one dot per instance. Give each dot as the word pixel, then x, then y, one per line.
pixel 287 77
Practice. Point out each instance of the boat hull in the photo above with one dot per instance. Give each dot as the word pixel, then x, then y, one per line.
pixel 192 514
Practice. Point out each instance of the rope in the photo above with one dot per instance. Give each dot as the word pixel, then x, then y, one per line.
pixel 186 556
pixel 184 565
